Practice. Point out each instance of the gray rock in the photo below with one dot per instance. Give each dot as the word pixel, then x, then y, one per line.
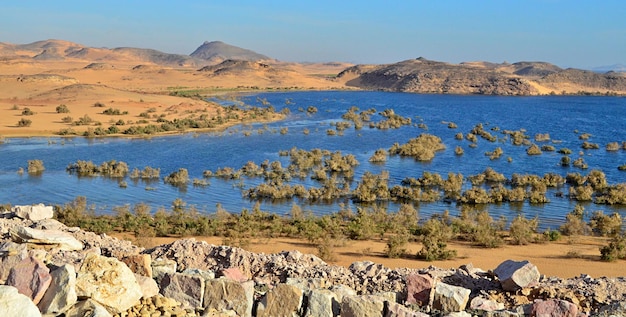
pixel 61 294
pixel 514 275
pixel 8 262
pixel 88 308
pixel 449 298
pixel 61 239
pixel 109 282
pixel 49 224
pixel 162 266
pixel 33 212
pixel 187 289
pixel 282 300
pixel 224 294
pixel 342 291
pixel 206 275
pixel 322 302
pixel 13 303
pixel 362 306
pixel 31 277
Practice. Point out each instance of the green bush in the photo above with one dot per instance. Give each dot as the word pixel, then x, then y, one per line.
pixel 35 167
pixel 27 112
pixel 435 235
pixel 62 109
pixel 178 178
pixel 615 250
pixel 522 230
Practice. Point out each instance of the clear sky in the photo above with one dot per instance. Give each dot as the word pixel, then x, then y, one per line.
pixel 569 33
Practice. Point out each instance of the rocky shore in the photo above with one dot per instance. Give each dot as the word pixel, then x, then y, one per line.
pixel 49 269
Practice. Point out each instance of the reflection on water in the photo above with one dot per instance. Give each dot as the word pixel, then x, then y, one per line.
pixel 564 118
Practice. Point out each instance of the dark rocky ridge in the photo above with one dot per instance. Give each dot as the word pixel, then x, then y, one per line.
pixel 425 76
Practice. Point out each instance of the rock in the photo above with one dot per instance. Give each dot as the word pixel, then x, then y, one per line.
pixel 8 262
pixel 50 224
pixel 224 294
pixel 362 306
pixel 342 291
pixel 282 300
pixel 397 310
pixel 161 266
pixel 514 275
pixel 13 303
pixel 484 304
pixel 419 287
pixel 61 294
pixel 307 284
pixel 60 239
pixel 31 277
pixel 615 309
pixel 33 212
pixel 88 308
pixel 109 282
pixel 322 302
pixel 235 274
pixel 449 298
pixel 459 314
pixel 554 307
pixel 149 287
pixel 8 248
pixel 206 275
pixel 139 263
pixel 187 289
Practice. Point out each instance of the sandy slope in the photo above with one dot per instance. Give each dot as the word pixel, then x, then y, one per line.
pixel 129 85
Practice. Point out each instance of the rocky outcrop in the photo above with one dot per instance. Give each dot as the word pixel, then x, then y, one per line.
pixel 189 278
pixel 425 76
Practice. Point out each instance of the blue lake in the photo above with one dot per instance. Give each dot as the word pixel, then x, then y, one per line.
pixel 565 118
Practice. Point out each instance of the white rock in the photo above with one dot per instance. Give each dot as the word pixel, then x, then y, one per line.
pixel 109 282
pixel 61 294
pixel 88 308
pixel 63 240
pixel 33 212
pixel 13 303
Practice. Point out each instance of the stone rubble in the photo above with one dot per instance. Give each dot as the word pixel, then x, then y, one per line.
pixel 110 277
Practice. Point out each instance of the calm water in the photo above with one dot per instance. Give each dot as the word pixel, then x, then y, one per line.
pixel 564 118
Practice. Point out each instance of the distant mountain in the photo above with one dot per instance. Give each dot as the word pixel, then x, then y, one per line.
pixel 425 76
pixel 217 51
pixel 610 68
pixel 158 57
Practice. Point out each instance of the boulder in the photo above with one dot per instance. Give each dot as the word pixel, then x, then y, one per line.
pixel 307 284
pixel 109 282
pixel 139 263
pixel 8 262
pixel 322 302
pixel 33 212
pixel 362 306
pixel 12 303
pixel 554 307
pixel 342 291
pixel 206 275
pixel 223 294
pixel 31 277
pixel 397 310
pixel 514 275
pixel 61 294
pixel 149 287
pixel 63 240
pixel 185 288
pixel 89 308
pixel 161 266
pixel 282 300
pixel 450 298
pixel 418 288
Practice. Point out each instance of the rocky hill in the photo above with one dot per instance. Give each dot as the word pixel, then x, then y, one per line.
pixel 51 269
pixel 425 76
pixel 522 78
pixel 217 51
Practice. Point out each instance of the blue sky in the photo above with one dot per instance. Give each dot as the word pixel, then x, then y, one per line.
pixel 569 33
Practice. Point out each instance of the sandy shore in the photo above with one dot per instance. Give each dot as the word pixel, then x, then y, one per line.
pixel 564 258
